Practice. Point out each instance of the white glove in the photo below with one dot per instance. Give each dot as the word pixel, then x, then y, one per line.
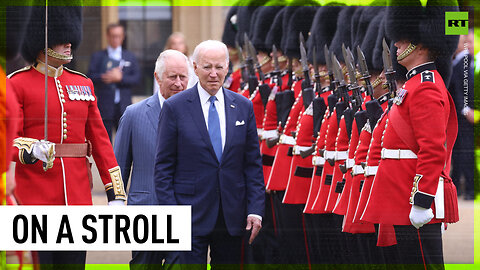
pixel 44 151
pixel 116 203
pixel 420 216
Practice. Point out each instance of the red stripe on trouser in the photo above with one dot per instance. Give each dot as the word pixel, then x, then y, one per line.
pixel 421 249
pixel 274 219
pixel 306 242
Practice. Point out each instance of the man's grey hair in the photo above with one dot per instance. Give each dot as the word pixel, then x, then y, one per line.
pixel 160 64
pixel 209 44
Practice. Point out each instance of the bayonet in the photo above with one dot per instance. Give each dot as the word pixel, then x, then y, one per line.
pixel 307 90
pixel 362 64
pixel 303 59
pixel 253 52
pixel 342 87
pixel 276 72
pixel 318 85
pixel 243 65
pixel 356 98
pixel 328 61
pixel 290 72
pixel 252 77
pixel 388 70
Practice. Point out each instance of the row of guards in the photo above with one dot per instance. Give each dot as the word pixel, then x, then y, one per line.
pixel 326 85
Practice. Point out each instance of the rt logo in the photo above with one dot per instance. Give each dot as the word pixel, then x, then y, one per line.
pixel 456 23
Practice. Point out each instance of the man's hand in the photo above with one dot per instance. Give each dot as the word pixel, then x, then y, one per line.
pixel 116 203
pixel 420 216
pixel 44 151
pixel 114 75
pixel 254 224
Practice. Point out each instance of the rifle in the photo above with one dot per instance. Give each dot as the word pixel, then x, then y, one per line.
pixel 263 88
pixel 252 77
pixel 276 72
pixel 243 66
pixel 388 70
pixel 362 64
pixel 318 86
pixel 307 90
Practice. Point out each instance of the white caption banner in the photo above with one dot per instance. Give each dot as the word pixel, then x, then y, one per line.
pixel 95 228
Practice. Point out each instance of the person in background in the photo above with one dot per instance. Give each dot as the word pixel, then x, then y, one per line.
pixel 135 149
pixel 114 71
pixel 176 41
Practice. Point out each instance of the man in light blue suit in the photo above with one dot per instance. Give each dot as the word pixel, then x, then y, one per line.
pixel 208 157
pixel 135 142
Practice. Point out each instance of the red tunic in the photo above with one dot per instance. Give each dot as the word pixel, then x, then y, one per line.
pixel 341 147
pixel 372 159
pixel 426 109
pixel 236 79
pixel 327 173
pixel 281 167
pixel 342 202
pixel 270 131
pixel 318 162
pixel 69 121
pixel 301 169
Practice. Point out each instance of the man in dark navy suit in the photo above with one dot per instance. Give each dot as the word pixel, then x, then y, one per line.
pixel 208 157
pixel 134 144
pixel 114 71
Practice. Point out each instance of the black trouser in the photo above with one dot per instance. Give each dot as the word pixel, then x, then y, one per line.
pixel 410 254
pixel 59 260
pixel 292 245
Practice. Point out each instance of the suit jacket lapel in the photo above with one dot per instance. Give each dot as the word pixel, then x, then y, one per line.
pixel 153 110
pixel 230 118
pixel 195 109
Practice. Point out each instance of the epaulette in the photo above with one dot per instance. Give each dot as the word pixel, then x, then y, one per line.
pixel 428 76
pixel 18 71
pixel 76 72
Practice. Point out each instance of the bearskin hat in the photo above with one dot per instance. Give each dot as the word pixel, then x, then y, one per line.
pixel 64 26
pixel 322 31
pixel 343 33
pixel 230 28
pixel 264 20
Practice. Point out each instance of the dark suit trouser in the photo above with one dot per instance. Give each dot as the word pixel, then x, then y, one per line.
pixel 411 255
pixel 263 252
pixel 60 260
pixel 146 260
pixel 112 123
pixel 225 250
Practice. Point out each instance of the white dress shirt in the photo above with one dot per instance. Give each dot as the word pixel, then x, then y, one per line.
pixel 115 54
pixel 219 106
pixel 161 99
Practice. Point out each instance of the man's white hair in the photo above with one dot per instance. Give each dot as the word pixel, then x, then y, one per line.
pixel 209 44
pixel 160 64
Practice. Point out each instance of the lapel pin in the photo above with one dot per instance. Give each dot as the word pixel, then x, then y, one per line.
pixel 233 106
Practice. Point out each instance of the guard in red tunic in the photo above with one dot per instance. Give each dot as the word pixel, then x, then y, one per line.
pixel 56 171
pixel 412 185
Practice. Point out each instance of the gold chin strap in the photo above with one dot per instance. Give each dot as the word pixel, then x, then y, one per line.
pixel 265 60
pixel 377 81
pixel 411 47
pixel 58 56
pixel 282 58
